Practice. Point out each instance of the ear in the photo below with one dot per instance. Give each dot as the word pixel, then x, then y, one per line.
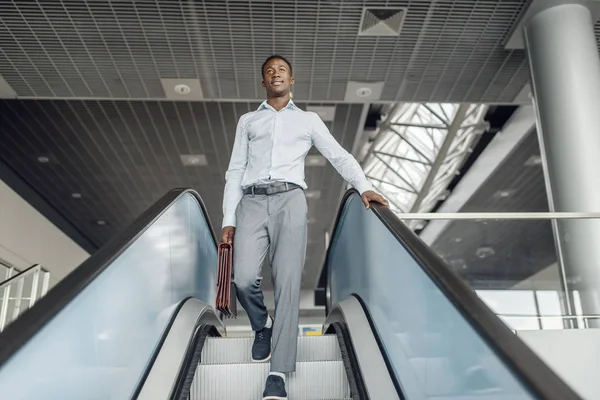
pixel 263 84
pixel 292 80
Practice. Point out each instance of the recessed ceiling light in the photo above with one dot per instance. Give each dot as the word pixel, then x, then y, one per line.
pixel 458 263
pixel 313 194
pixel 485 252
pixel 183 89
pixel 504 193
pixel 359 91
pixel 101 222
pixel 457 240
pixel 315 161
pixel 194 160
pixel 76 195
pixel 364 92
pixel 43 159
pixel 534 161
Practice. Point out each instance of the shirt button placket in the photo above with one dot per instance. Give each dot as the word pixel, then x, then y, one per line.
pixel 274 129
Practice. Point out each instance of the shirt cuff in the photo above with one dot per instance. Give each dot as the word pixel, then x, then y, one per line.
pixel 228 220
pixel 364 186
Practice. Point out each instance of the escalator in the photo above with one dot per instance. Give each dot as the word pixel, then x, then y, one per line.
pixel 207 366
pixel 137 320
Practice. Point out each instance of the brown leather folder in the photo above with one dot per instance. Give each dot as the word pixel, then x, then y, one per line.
pixel 226 298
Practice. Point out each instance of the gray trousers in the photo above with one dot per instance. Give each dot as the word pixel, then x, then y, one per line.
pixel 275 223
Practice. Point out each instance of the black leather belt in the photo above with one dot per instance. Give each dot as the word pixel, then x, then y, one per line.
pixel 273 188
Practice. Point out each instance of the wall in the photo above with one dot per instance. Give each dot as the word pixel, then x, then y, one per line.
pixel 546 279
pixel 572 354
pixel 27 238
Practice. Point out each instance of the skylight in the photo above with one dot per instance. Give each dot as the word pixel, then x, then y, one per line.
pixel 419 149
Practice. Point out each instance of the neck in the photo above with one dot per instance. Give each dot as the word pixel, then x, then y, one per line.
pixel 279 102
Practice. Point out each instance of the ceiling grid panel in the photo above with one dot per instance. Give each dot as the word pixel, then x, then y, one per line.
pixel 122 50
pixel 59 143
pixel 15 155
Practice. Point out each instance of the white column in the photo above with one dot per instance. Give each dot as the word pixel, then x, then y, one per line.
pixel 565 72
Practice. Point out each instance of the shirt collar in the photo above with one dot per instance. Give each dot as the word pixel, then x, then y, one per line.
pixel 265 106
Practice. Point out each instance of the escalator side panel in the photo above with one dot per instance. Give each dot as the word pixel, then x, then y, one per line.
pixel 432 348
pixel 372 364
pixel 167 367
pixel 99 345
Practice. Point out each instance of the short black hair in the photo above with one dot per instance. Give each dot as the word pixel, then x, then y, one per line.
pixel 275 56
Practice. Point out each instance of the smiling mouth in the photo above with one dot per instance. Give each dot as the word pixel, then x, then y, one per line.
pixel 277 83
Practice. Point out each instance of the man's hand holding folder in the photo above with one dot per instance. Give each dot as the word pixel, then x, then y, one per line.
pixel 226 298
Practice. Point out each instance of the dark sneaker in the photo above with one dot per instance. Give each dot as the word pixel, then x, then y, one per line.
pixel 275 388
pixel 261 349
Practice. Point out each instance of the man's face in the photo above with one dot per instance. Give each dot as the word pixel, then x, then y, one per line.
pixel 277 78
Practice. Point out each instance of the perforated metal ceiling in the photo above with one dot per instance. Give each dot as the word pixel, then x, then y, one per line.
pixel 446 51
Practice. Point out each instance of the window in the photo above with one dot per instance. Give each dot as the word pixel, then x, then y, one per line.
pixel 418 151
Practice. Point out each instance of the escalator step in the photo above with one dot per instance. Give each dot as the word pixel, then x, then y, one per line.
pixel 238 349
pixel 317 380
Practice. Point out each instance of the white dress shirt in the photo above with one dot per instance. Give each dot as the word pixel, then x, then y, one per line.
pixel 272 145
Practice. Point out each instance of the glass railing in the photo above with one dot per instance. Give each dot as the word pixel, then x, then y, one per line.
pixel 6 270
pixel 439 337
pixel 20 292
pixel 520 322
pixel 512 261
pixel 94 334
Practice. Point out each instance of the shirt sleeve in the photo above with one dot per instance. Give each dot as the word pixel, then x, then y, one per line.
pixel 344 163
pixel 235 172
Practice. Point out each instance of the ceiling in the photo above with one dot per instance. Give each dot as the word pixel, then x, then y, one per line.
pixel 519 248
pixel 443 51
pixel 88 88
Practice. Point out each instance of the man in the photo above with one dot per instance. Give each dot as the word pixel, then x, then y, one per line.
pixel 265 208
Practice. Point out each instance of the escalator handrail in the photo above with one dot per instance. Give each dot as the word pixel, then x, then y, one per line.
pixel 526 365
pixel 31 321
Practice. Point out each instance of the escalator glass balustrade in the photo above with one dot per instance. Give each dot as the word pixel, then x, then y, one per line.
pixel 433 351
pixel 99 345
